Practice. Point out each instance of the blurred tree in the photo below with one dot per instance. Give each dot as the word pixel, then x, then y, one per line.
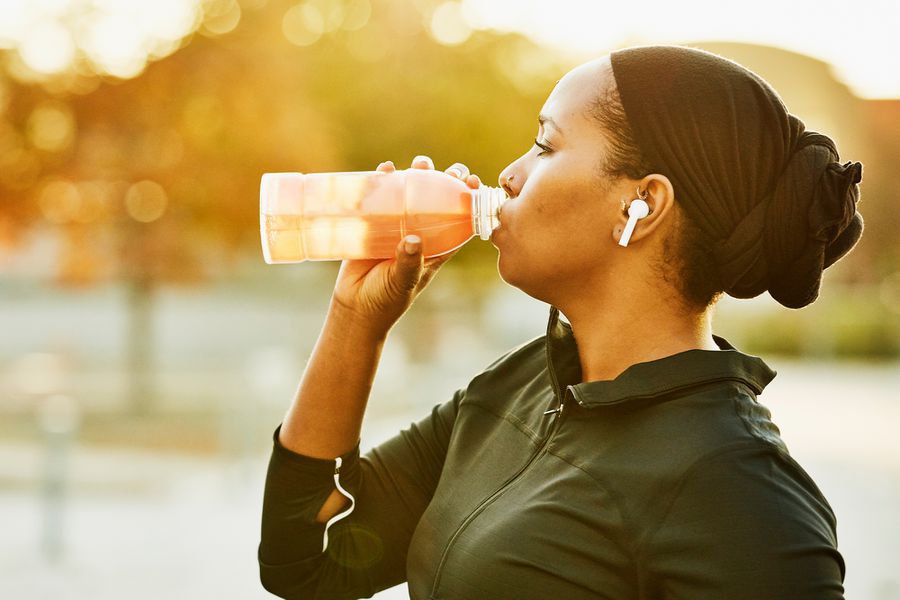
pixel 155 179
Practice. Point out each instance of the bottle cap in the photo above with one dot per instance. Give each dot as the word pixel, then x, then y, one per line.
pixel 486 202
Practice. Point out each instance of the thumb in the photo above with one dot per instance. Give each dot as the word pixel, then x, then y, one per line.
pixel 407 268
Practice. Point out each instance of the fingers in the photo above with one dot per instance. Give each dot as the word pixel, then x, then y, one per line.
pixel 459 170
pixel 422 162
pixel 407 268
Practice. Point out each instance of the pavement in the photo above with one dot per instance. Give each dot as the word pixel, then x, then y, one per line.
pixel 156 524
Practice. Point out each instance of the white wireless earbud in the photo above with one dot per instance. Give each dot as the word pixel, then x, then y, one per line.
pixel 638 209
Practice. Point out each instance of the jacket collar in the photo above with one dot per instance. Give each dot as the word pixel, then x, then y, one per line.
pixel 651 379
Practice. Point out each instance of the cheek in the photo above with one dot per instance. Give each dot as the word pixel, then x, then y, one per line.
pixel 559 214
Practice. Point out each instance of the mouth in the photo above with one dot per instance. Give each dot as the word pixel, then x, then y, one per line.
pixel 496 233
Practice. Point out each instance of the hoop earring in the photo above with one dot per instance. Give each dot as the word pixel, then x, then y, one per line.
pixel 638 209
pixel 640 196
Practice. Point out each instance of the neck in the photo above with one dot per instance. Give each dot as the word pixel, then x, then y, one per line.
pixel 632 326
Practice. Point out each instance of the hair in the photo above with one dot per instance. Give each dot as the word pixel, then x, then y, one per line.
pixel 690 255
pixel 775 209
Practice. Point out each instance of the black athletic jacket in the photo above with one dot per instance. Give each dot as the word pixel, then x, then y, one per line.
pixel 669 481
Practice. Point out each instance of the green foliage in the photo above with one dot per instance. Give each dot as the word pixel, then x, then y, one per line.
pixel 843 322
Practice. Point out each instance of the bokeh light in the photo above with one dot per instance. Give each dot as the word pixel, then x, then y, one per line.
pixel 95 200
pixel 112 37
pixel 356 15
pixel 113 43
pixel 221 17
pixel 146 201
pixel 51 126
pixel 303 24
pixel 133 134
pixel 60 201
pixel 49 49
pixel 449 25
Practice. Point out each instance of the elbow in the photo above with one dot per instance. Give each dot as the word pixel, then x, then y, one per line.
pixel 277 584
pixel 271 583
pixel 292 581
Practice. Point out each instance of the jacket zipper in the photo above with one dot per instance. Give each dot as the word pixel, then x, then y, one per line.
pixel 484 503
pixel 337 482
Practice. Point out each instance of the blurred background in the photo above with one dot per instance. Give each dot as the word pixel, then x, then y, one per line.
pixel 147 353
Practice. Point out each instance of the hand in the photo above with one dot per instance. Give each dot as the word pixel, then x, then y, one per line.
pixel 379 291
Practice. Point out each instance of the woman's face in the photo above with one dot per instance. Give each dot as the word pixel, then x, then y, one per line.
pixel 556 231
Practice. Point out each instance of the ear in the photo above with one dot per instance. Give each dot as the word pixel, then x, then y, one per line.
pixel 660 197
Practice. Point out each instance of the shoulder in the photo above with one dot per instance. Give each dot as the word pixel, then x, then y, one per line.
pixel 516 363
pixel 515 383
pixel 752 485
pixel 745 522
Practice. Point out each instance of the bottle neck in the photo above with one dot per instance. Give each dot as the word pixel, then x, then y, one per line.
pixel 486 202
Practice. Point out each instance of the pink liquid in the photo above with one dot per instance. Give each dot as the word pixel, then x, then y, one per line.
pixel 332 216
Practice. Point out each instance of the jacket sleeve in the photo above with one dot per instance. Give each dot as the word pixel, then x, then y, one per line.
pixel 747 523
pixel 390 487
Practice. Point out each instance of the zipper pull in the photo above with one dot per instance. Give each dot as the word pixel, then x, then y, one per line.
pixel 337 482
pixel 558 409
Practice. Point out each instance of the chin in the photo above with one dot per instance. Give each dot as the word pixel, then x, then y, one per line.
pixel 525 282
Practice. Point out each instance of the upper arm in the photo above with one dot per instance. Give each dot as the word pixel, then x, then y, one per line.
pixel 747 523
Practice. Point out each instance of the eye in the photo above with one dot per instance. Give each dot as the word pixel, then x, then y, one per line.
pixel 544 149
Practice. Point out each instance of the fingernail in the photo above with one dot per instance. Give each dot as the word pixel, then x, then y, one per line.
pixel 411 244
pixel 455 170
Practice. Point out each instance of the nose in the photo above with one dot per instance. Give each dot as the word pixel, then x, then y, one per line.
pixel 508 181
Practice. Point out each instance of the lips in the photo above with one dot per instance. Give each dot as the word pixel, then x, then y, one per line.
pixel 497 233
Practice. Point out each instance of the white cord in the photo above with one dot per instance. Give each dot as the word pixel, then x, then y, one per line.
pixel 341 515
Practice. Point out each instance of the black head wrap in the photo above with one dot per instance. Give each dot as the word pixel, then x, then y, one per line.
pixel 771 194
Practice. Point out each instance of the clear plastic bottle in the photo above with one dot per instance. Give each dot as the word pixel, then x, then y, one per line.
pixel 333 216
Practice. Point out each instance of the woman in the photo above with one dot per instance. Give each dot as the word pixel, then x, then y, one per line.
pixel 624 454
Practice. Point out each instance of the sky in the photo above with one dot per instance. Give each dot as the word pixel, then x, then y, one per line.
pixel 860 39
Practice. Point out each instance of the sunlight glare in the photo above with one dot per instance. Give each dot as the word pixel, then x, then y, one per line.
pixel 117 37
pixel 48 48
pixel 865 55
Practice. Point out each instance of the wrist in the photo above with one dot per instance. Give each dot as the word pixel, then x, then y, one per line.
pixel 353 323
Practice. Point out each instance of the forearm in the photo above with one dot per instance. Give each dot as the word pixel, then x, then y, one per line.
pixel 326 415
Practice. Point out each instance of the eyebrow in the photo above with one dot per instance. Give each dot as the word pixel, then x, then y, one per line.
pixel 545 120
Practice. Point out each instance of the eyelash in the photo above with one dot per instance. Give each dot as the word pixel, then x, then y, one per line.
pixel 544 149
